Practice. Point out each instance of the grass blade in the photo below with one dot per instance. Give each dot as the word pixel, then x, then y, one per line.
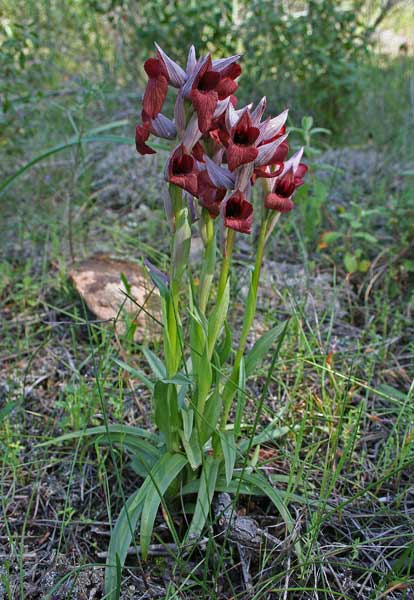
pixel 228 446
pixel 206 490
pixel 161 478
pixel 262 346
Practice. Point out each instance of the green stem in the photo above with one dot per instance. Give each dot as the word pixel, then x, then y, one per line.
pixel 180 247
pixel 225 265
pixel 231 386
pixel 209 261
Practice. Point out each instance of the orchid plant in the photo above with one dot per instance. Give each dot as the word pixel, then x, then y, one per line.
pixel 219 154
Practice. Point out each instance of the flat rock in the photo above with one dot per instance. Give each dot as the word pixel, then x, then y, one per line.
pixel 100 281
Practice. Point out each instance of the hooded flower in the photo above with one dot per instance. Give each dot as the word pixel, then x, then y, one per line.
pixel 284 186
pixel 241 147
pixel 157 86
pixel 141 135
pixel 182 170
pixel 210 85
pixel 209 195
pixel 238 213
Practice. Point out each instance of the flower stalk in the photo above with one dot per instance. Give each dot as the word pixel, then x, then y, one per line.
pixel 231 385
pixel 209 261
pixel 226 263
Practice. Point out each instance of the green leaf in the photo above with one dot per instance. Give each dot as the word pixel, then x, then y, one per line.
pixel 135 372
pixel 7 409
pixel 237 486
pixel 141 463
pixel 73 141
pixel 217 318
pixel 321 130
pixel 181 245
pixel 331 236
pixel 208 478
pixel 228 446
pixel 129 516
pixel 161 478
pixel 179 379
pixel 224 348
pixel 363 235
pixel 307 123
pixel 192 449
pixel 187 416
pixel 262 347
pixel 118 578
pixel 269 434
pixel 159 283
pixel 121 539
pixel 166 413
pixel 277 499
pixel 211 415
pixel 350 262
pixel 363 265
pixel 156 364
pixel 241 398
pixel 204 379
pixel 125 434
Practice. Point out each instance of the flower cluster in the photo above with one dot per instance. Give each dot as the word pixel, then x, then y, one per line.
pixel 222 151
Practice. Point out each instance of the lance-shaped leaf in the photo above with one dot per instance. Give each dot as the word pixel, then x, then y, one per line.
pixel 267 151
pixel 228 446
pixel 161 479
pixel 217 318
pixel 262 347
pixel 159 279
pixel 176 73
pixel 241 398
pixel 208 478
pixel 220 176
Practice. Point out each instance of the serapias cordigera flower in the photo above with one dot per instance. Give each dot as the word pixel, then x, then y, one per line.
pixel 220 151
pixel 285 184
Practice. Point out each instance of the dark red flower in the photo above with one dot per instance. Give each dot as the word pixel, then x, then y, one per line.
pixel 238 213
pixel 208 194
pixel 300 174
pixel 240 148
pixel 278 203
pixel 280 199
pixel 266 172
pixel 198 152
pixel 182 170
pixel 209 87
pixel 227 86
pixel 141 135
pixel 157 86
pixel 218 132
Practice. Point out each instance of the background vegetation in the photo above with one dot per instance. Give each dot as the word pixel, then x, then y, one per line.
pixel 341 267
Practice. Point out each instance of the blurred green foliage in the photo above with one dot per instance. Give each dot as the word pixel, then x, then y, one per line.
pixel 302 54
